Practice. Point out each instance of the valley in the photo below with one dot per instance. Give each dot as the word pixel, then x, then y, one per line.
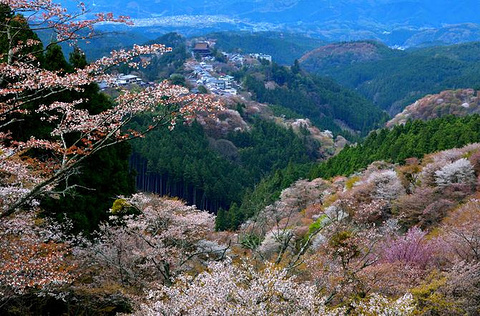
pixel 291 157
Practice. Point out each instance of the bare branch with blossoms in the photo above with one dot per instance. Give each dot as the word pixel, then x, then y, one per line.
pixel 462 232
pixel 230 289
pixel 411 249
pixel 77 133
pixel 45 14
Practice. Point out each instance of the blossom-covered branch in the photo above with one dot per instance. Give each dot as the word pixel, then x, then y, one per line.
pixel 27 90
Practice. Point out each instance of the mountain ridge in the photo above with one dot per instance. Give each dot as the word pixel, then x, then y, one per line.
pixel 397 22
pixel 394 79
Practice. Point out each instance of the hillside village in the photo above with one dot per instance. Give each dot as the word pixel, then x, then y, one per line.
pixel 201 71
pixel 204 73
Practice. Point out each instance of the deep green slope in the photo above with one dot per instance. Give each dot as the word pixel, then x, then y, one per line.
pixel 320 99
pixel 414 139
pixel 161 67
pixel 214 173
pixel 395 79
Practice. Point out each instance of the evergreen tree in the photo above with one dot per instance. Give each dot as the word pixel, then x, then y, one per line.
pixel 101 177
pixel 414 139
pixel 54 59
pixel 221 221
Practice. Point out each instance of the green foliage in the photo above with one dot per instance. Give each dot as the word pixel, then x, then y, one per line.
pixel 188 168
pixel 295 67
pixel 396 79
pixel 23 34
pixel 221 220
pixel 341 241
pixel 102 177
pixel 414 139
pixel 321 222
pixel 268 147
pixel 202 89
pixel 184 163
pixel 320 99
pixel 281 111
pixel 54 58
pixel 219 56
pixel 351 182
pixel 121 206
pixel 162 67
pixel 177 79
pixel 77 58
pixel 250 241
pixel 429 300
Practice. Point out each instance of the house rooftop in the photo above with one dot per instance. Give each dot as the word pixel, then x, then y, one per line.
pixel 201 46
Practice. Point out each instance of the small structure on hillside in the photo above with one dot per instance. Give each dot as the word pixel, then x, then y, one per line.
pixel 202 49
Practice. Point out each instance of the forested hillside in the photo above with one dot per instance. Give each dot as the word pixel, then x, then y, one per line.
pixel 162 66
pixel 414 139
pixel 214 173
pixel 459 102
pixel 393 79
pixel 327 104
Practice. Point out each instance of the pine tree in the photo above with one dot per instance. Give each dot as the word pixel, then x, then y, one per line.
pixel 221 221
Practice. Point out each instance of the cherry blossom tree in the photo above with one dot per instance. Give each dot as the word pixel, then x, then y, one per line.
pixel 34 256
pixel 167 237
pixel 77 133
pixel 462 288
pixel 231 289
pixel 387 185
pixel 411 249
pixel 461 232
pixel 392 279
pixel 380 305
pixel 460 171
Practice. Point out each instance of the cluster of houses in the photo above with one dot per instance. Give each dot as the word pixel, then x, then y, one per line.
pixel 240 60
pixel 203 73
pixel 123 80
pixel 260 56
pixel 204 50
pixel 202 76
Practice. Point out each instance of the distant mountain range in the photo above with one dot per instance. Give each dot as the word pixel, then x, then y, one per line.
pixel 405 23
pixel 418 13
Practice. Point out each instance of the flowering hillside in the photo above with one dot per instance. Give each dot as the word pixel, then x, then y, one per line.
pixel 391 238
pixel 387 240
pixel 450 102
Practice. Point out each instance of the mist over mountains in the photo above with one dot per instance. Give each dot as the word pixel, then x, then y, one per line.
pixel 405 23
